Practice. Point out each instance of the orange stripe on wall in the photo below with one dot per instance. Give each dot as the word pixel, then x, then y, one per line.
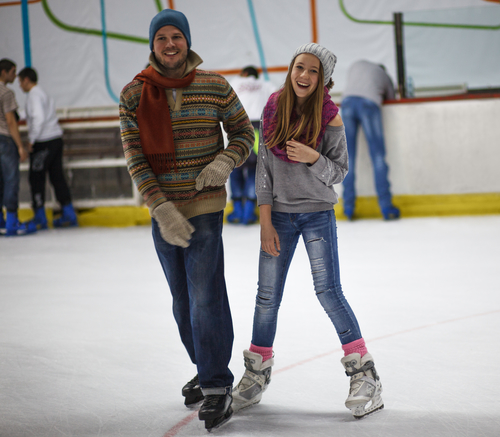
pixel 18 3
pixel 314 25
pixel 278 69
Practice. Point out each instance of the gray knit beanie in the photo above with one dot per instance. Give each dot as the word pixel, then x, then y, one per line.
pixel 326 57
pixel 169 17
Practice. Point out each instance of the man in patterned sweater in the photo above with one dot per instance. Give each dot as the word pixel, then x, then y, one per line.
pixel 170 117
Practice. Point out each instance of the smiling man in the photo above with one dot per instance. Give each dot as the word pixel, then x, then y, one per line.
pixel 170 118
pixel 170 47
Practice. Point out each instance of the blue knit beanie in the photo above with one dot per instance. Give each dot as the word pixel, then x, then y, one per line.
pixel 169 17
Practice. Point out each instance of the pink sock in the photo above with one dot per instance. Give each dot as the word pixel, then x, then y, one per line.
pixel 355 346
pixel 266 352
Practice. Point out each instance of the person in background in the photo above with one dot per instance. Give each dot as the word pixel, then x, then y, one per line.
pixel 302 154
pixel 11 153
pixel 368 85
pixel 170 119
pixel 46 152
pixel 253 93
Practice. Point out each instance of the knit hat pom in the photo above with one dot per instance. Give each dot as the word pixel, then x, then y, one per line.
pixel 169 17
pixel 326 57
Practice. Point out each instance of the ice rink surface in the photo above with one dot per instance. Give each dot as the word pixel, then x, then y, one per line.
pixel 89 347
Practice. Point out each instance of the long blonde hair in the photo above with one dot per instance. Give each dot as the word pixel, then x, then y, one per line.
pixel 310 119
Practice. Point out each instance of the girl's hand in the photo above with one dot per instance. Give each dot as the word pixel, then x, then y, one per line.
pixel 300 152
pixel 269 240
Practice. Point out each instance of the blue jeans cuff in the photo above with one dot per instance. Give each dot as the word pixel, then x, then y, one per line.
pixel 217 390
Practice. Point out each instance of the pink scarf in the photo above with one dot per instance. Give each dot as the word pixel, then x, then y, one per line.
pixel 270 120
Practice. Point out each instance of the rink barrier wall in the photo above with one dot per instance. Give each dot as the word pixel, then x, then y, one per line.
pixel 442 154
pixel 366 208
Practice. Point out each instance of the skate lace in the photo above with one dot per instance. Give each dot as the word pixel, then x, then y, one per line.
pixel 245 382
pixel 211 400
pixel 251 377
pixel 367 366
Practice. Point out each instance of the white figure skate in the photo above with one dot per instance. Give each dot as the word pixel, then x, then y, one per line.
pixel 254 382
pixel 364 394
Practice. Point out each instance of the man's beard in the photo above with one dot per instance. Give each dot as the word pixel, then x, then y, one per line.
pixel 170 68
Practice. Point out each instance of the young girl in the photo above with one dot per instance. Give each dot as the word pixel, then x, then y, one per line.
pixel 302 154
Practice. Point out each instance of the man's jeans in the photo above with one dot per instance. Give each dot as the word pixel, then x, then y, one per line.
pixel 319 232
pixel 360 111
pixel 200 303
pixel 9 174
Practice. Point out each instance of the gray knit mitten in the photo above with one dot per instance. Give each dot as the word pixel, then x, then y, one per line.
pixel 174 227
pixel 216 173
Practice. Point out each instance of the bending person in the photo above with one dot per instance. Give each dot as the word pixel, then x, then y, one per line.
pixel 368 85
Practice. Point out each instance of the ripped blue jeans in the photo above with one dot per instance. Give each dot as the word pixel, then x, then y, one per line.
pixel 319 232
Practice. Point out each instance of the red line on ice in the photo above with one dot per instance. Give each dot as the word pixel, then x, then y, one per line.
pixel 176 428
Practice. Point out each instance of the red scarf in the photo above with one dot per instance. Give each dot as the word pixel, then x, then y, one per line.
pixel 270 120
pixel 153 118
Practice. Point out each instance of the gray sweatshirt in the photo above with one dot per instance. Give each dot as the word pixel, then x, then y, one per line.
pixel 369 80
pixel 299 187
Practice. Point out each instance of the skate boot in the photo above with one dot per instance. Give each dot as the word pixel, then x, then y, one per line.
pixel 14 227
pixel 364 395
pixel 391 213
pixel 249 216
pixel 216 409
pixel 237 214
pixel 68 218
pixel 254 382
pixel 40 219
pixel 2 223
pixel 192 392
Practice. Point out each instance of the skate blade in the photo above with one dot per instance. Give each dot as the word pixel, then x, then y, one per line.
pixel 241 406
pixel 362 411
pixel 239 402
pixel 213 424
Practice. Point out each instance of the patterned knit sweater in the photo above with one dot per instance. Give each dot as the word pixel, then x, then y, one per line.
pixel 196 113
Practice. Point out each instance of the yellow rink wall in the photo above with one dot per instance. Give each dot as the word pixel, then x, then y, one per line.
pixel 366 208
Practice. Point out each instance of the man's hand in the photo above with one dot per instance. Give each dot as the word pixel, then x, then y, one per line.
pixel 174 227
pixel 216 173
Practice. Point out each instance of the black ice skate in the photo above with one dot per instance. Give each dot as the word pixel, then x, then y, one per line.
pixel 192 392
pixel 216 410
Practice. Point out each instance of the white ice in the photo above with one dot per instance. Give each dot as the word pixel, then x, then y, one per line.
pixel 89 347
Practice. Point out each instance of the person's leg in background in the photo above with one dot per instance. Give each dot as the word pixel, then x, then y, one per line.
pixel 350 118
pixel 249 215
pixel 371 120
pixel 37 176
pixel 61 188
pixel 9 162
pixel 237 184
